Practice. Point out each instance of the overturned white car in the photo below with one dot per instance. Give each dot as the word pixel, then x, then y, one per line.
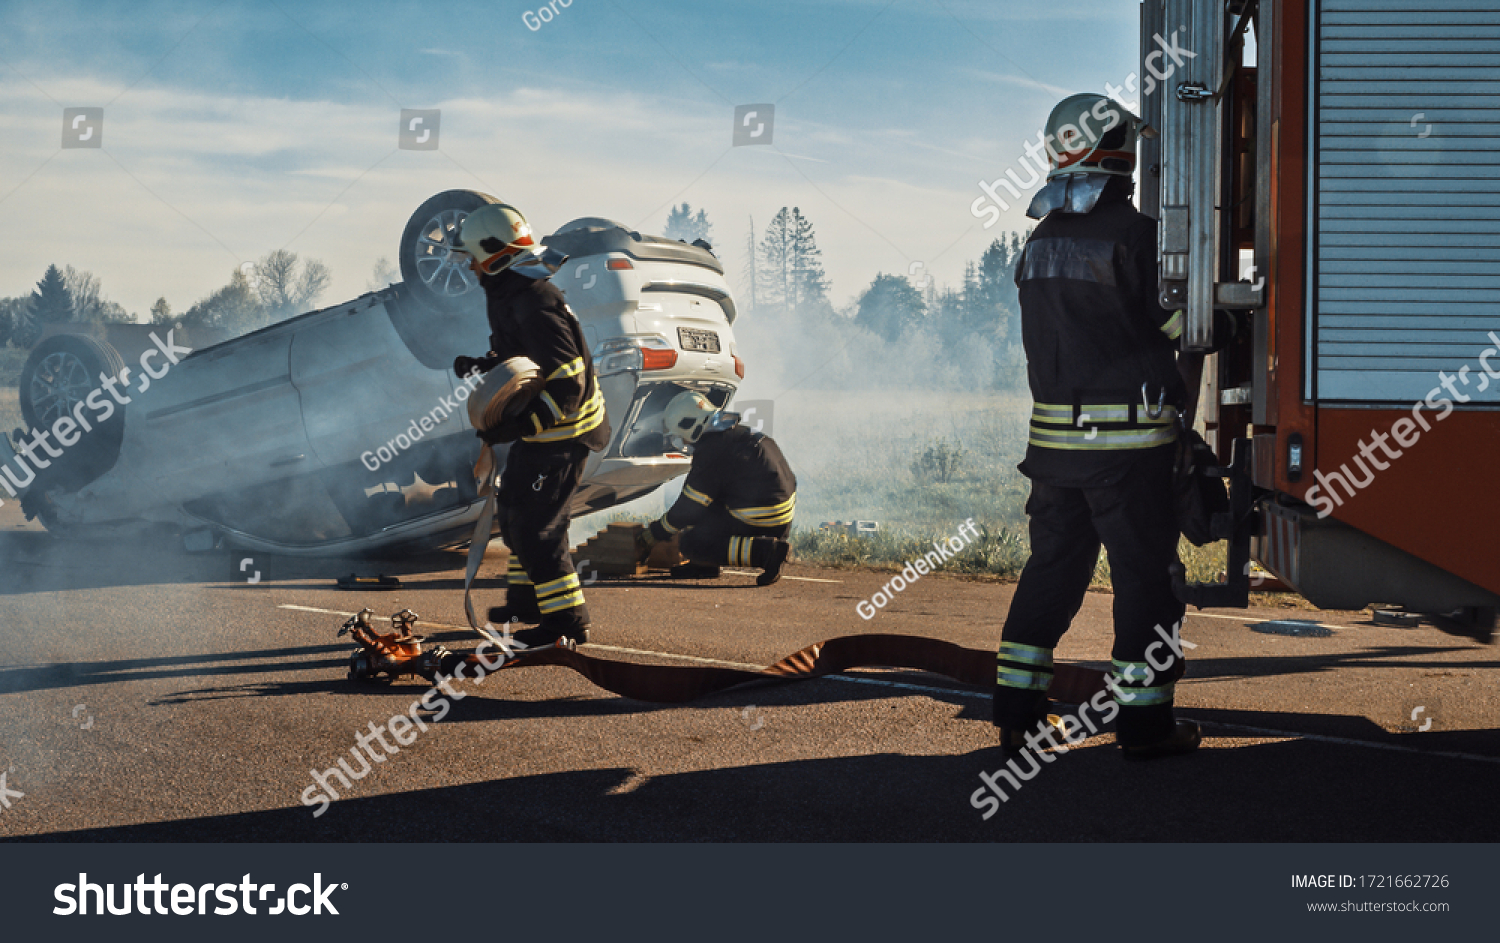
pixel 342 430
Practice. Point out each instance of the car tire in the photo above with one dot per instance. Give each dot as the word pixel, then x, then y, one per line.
pixel 432 277
pixel 62 372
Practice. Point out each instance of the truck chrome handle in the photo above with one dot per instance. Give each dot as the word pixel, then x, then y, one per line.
pixel 289 460
pixel 1194 92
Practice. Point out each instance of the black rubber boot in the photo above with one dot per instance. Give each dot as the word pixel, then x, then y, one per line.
pixel 769 553
pixel 1184 738
pixel 569 624
pixel 1013 740
pixel 500 615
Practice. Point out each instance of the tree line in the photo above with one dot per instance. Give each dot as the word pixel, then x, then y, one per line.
pixel 277 286
pixel 782 280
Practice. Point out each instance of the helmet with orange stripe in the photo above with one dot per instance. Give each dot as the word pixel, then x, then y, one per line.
pixel 1091 133
pixel 496 236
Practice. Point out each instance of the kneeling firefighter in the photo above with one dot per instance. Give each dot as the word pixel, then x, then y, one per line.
pixel 737 503
pixel 550 436
pixel 1101 362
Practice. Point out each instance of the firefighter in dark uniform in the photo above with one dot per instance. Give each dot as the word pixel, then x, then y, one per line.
pixel 1101 361
pixel 550 438
pixel 737 503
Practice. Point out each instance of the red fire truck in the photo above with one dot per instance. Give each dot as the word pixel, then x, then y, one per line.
pixel 1333 166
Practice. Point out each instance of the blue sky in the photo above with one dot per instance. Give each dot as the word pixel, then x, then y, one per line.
pixel 233 128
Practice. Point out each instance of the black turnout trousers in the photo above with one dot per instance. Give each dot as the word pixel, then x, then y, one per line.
pixel 1133 516
pixel 535 506
pixel 707 541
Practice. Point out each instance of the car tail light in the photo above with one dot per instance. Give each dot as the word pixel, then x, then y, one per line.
pixel 619 354
pixel 616 265
pixel 657 354
pixel 739 366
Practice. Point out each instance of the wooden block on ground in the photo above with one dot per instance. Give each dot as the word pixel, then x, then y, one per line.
pixel 611 552
pixel 664 555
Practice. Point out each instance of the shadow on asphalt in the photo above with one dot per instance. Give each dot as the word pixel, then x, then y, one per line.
pixel 19 678
pixel 37 562
pixel 1381 656
pixel 1272 792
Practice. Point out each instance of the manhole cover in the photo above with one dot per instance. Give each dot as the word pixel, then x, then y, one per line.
pixel 1297 627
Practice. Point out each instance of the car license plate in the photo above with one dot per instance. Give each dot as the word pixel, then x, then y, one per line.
pixel 706 341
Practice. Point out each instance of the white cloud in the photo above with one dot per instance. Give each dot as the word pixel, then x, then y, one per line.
pixel 190 184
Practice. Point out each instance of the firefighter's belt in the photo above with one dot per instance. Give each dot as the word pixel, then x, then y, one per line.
pixel 1083 426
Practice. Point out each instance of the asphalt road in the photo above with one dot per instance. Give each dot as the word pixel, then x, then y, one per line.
pixel 146 695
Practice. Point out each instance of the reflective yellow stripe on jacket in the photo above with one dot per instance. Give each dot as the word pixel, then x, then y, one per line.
pixel 584 419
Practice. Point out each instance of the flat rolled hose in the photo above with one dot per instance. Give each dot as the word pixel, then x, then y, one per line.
pixel 675 684
pixel 503 392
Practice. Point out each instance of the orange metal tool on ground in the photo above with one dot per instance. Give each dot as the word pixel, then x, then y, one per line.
pixel 394 654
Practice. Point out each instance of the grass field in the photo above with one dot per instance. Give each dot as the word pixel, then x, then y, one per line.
pixel 860 456
pixel 10 410
pixel 11 362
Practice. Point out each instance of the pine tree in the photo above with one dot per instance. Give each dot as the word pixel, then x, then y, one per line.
pixel 749 272
pixel 809 286
pixel 161 312
pixel 791 269
pixel 51 303
pixel 997 286
pixel 776 262
pixel 684 225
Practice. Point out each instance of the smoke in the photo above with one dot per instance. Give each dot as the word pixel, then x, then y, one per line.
pixel 854 413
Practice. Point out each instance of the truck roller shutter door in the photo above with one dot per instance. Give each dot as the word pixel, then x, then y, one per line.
pixel 1405 171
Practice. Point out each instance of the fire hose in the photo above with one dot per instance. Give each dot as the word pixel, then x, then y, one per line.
pixel 401 653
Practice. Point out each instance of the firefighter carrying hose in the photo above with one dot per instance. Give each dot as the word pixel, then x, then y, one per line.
pixel 551 437
pixel 1100 354
pixel 737 503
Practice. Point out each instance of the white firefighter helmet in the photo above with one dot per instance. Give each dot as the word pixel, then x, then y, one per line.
pixel 688 415
pixel 497 236
pixel 1091 133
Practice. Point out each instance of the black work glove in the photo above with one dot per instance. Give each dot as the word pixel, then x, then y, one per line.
pixel 463 366
pixel 1229 326
pixel 509 430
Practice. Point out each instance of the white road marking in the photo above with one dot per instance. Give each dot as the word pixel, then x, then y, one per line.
pixel 332 612
pixel 975 695
pixel 800 579
pixel 1242 619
